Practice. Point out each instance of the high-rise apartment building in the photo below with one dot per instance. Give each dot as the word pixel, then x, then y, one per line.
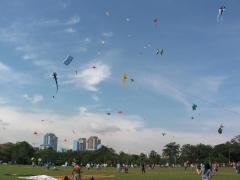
pixel 92 143
pixel 50 141
pixel 80 144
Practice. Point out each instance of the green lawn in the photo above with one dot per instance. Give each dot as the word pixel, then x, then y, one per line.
pixel 6 173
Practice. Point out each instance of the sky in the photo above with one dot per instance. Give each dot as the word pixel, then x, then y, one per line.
pixel 200 65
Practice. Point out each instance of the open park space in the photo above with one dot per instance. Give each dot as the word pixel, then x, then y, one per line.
pixel 8 172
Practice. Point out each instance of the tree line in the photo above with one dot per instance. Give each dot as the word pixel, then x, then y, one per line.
pixel 172 153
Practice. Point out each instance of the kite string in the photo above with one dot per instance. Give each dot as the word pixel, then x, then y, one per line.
pixel 220 106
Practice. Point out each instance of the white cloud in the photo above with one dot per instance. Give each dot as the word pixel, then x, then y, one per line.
pixel 74 20
pixel 33 99
pixel 47 22
pixel 10 75
pixel 165 87
pixel 207 86
pixel 83 110
pixel 95 97
pixel 70 30
pixel 108 34
pixel 29 56
pixel 87 40
pixel 83 49
pixel 4 68
pixel 3 100
pixel 89 78
pixel 126 133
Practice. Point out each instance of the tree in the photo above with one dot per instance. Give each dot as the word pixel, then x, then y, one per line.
pixel 21 153
pixel 171 152
pixel 188 153
pixel 48 155
pixel 142 158
pixel 204 152
pixel 5 152
pixel 154 157
pixel 236 139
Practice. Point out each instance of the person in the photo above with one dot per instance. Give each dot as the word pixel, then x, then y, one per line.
pixel 66 178
pixel 198 169
pixel 143 169
pixel 76 172
pixel 206 172
pixel 238 168
pixel 186 165
pixel 126 168
pixel 91 178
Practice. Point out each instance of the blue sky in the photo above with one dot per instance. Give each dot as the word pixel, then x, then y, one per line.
pixel 199 65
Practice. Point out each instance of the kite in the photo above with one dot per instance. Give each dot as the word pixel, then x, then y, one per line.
pixel 155 21
pixel 94 67
pixel 125 76
pixel 220 13
pixel 220 129
pixel 159 51
pixel 68 60
pixel 107 13
pixel 192 117
pixel 76 72
pixel 120 112
pixel 56 80
pixel 194 107
pixel 132 80
pixel 108 113
pixel 35 133
pixel 163 134
pixel 127 19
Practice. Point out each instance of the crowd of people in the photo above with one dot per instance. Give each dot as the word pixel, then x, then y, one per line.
pixel 206 171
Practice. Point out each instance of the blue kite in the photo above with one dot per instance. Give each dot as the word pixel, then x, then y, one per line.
pixel 68 60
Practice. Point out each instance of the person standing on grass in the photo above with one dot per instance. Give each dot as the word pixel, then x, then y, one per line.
pixel 143 168
pixel 206 172
pixel 76 172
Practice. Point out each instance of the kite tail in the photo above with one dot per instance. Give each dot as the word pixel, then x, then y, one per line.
pixel 219 18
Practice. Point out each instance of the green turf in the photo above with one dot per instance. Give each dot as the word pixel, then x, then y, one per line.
pixel 6 173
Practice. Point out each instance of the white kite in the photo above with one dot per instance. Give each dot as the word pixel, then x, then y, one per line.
pixel 220 13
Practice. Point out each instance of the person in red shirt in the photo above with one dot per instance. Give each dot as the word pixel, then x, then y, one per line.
pixel 77 172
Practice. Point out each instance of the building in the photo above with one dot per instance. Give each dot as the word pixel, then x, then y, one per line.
pixel 80 144
pixel 92 143
pixel 63 150
pixel 50 141
pixel 75 145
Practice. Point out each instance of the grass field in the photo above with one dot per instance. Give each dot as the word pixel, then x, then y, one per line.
pixel 13 172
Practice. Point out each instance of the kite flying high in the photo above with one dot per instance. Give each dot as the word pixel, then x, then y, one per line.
pixel 220 13
pixel 159 51
pixel 68 60
pixel 56 80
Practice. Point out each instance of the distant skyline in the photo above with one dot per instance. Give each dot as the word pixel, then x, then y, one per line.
pixel 200 64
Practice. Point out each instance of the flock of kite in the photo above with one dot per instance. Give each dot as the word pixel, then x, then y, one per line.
pixel 125 76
